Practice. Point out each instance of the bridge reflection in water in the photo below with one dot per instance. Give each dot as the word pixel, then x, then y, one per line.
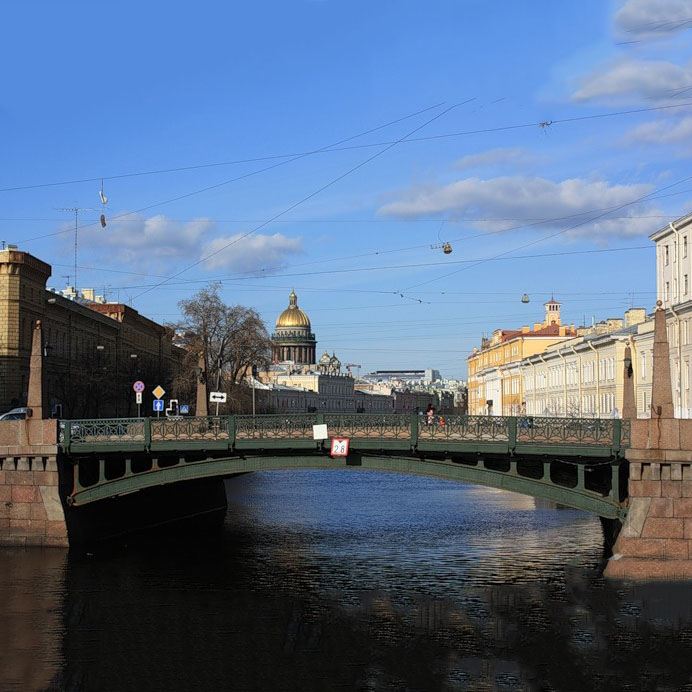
pixel 576 462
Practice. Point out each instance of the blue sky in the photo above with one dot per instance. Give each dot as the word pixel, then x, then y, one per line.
pixel 457 91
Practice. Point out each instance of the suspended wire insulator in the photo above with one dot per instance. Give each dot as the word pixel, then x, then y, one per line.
pixel 447 249
pixel 103 220
pixel 525 298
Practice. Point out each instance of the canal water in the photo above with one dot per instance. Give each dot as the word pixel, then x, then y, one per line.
pixel 345 580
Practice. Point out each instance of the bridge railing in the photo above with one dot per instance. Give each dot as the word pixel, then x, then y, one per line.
pixel 446 432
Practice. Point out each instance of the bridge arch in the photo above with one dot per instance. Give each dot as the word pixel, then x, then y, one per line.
pixel 101 479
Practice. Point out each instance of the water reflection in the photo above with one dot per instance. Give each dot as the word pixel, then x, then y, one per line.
pixel 320 580
pixel 31 622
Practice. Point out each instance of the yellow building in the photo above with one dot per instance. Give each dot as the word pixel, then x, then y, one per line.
pixel 492 386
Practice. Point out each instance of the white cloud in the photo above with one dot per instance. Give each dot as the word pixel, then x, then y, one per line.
pixel 135 240
pixel 669 131
pixel 235 253
pixel 654 18
pixel 508 156
pixel 158 244
pixel 626 78
pixel 531 198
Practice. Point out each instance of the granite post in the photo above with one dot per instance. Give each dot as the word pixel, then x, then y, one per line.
pixel 655 541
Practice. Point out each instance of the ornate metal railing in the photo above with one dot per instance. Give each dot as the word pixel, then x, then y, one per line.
pixel 190 429
pixel 102 431
pixel 386 426
pixel 465 428
pixel 581 431
pixel 275 427
pixel 446 431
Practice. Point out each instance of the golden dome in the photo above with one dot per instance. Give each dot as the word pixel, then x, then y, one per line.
pixel 293 316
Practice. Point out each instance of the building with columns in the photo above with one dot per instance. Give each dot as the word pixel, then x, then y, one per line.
pixel 293 340
pixel 674 290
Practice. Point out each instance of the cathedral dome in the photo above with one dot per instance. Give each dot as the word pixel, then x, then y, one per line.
pixel 293 316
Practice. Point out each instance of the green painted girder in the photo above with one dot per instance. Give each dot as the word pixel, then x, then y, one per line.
pixel 578 498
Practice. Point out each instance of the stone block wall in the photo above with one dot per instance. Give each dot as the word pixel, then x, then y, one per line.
pixel 31 511
pixel 656 539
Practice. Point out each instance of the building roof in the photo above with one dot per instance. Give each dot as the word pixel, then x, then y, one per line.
pixel 550 330
pixel 292 316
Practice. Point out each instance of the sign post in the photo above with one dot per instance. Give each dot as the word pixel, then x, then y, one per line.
pixel 138 386
pixel 158 392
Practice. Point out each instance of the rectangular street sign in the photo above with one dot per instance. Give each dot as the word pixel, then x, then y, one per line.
pixel 217 397
pixel 138 397
pixel 184 408
pixel 158 404
pixel 319 432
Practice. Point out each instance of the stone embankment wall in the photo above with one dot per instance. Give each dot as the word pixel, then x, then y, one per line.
pixel 656 539
pixel 31 510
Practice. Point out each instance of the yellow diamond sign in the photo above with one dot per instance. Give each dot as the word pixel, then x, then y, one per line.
pixel 159 391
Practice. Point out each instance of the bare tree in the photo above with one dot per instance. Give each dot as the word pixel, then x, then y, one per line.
pixel 232 339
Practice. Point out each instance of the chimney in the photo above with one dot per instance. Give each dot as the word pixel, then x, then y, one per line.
pixel 88 294
pixel 525 329
pixel 635 316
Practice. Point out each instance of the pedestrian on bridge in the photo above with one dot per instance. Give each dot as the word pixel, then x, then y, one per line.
pixel 430 414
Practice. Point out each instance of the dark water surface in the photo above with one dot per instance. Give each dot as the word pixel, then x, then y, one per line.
pixel 345 580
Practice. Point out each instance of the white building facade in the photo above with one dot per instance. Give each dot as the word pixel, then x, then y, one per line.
pixel 674 290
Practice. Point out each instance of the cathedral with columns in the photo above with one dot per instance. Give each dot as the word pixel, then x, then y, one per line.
pixel 293 340
pixel 294 343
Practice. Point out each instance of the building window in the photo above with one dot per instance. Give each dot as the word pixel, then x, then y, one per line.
pixel 684 246
pixel 666 255
pixel 666 290
pixel 685 285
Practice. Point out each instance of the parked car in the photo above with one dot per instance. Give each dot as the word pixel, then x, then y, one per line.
pixel 15 414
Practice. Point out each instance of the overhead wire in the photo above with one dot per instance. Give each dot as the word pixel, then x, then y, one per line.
pixel 552 235
pixel 316 192
pixel 417 265
pixel 337 148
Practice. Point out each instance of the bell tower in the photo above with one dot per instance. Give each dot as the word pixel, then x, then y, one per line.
pixel 552 312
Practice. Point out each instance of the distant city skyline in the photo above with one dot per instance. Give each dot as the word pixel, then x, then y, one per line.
pixel 335 149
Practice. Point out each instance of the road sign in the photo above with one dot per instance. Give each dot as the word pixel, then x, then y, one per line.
pixel 138 386
pixel 184 408
pixel 217 397
pixel 138 397
pixel 319 432
pixel 158 393
pixel 172 409
pixel 158 404
pixel 339 447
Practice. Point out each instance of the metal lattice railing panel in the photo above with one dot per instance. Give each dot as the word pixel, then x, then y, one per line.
pixel 386 426
pixel 189 429
pixel 583 431
pixel 275 427
pixel 464 428
pixel 626 433
pixel 104 430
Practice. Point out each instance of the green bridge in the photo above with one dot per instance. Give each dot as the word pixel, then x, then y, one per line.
pixel 576 462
